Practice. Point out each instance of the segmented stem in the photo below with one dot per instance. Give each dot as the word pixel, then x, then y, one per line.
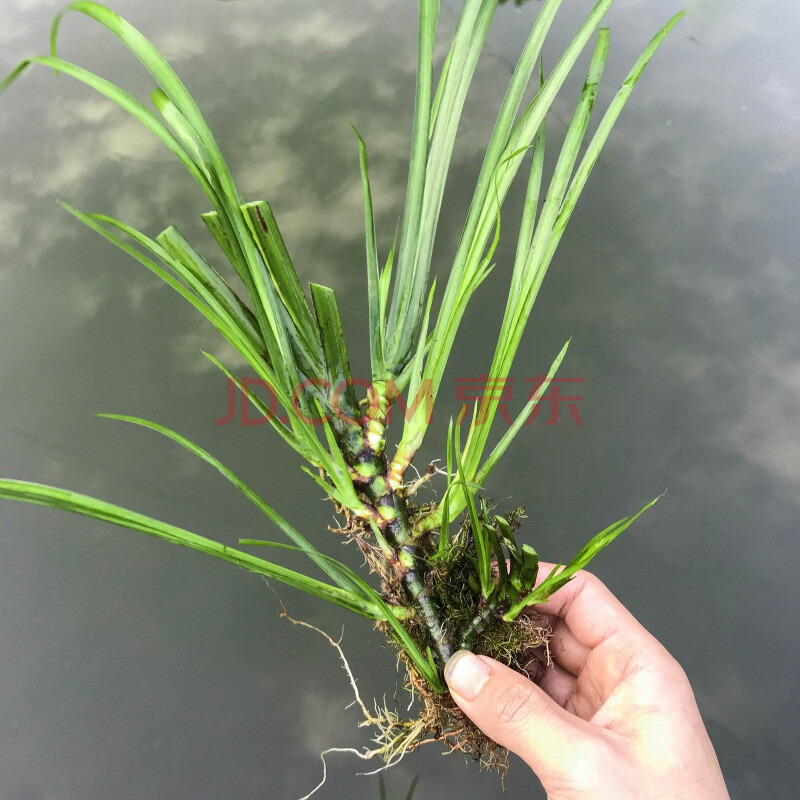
pixel 476 626
pixel 371 466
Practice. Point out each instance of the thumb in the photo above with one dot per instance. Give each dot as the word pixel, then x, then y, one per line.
pixel 514 712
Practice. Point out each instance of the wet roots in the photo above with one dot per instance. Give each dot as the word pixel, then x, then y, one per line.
pixel 449 580
pixel 438 719
pixel 522 645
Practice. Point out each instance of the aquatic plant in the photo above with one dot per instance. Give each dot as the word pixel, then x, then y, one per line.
pixel 439 575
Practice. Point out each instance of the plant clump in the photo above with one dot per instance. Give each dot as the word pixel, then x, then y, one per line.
pixel 468 618
pixel 440 575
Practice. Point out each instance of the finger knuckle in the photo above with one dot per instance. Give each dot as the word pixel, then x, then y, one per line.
pixel 514 706
pixel 663 666
pixel 589 579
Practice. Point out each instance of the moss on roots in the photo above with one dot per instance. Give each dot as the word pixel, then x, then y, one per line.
pixel 451 584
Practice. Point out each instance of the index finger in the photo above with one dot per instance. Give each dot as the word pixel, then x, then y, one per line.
pixel 589 609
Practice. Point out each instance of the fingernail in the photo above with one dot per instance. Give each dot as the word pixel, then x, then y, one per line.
pixel 466 674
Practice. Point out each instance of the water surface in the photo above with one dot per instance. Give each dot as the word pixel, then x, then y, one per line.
pixel 130 669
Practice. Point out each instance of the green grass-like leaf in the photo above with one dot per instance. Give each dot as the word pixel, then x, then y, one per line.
pixel 289 342
pixel 66 500
pixel 344 401
pixel 376 297
pixel 290 531
pixel 479 536
pixel 562 574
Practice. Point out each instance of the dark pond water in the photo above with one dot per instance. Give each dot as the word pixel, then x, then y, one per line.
pixel 130 669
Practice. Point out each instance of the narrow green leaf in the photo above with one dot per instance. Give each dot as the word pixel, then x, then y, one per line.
pixel 123 99
pixel 383 543
pixel 425 664
pixel 499 559
pixel 482 212
pixel 263 294
pixel 290 531
pixel 416 244
pixel 531 208
pixel 300 444
pixel 14 74
pixel 444 526
pixel 335 349
pixel 415 425
pixel 373 277
pixel 181 249
pixel 217 229
pixel 183 132
pixel 227 321
pixel 530 566
pixel 437 99
pixel 507 536
pixel 484 561
pixel 130 104
pixel 66 500
pixel 265 231
pixel 509 436
pixel 203 303
pixel 506 117
pixel 417 172
pixel 559 577
pixel 338 470
pixel 383 287
pixel 455 497
pixel 525 285
pixel 607 123
pixel 339 571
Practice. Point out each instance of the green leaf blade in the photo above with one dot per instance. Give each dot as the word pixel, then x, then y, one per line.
pixel 76 503
pixel 560 576
pixel 342 392
pixel 373 277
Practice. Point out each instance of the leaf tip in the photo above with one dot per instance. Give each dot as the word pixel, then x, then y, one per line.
pixel 14 74
pixel 160 99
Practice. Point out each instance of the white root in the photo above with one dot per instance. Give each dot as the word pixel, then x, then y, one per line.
pixel 396 737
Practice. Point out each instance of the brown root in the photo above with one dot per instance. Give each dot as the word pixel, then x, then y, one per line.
pixel 518 645
pixel 438 719
pixel 521 644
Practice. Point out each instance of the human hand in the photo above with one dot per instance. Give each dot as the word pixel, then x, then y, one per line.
pixel 613 718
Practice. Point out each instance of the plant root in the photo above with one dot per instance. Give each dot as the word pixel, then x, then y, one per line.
pixel 395 737
pixel 439 719
pixel 521 644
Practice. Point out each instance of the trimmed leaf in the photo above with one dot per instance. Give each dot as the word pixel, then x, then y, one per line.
pixel 264 227
pixel 335 349
pixel 181 250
